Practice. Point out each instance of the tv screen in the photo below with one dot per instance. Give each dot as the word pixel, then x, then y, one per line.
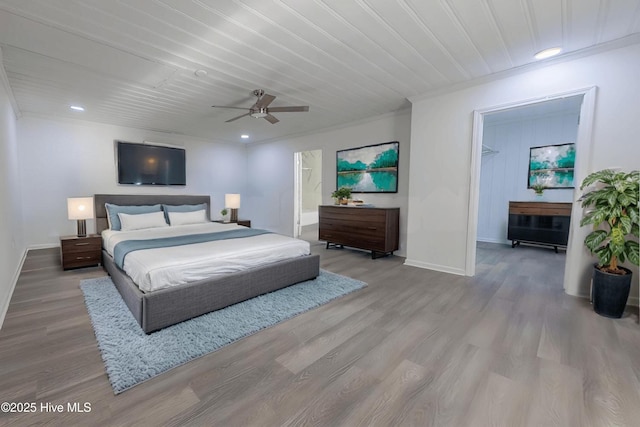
pixel 143 164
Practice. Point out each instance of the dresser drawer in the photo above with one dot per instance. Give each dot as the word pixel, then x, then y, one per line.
pixel 379 244
pixel 540 208
pixel 354 227
pixel 353 213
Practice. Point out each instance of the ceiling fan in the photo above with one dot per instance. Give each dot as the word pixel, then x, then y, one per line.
pixel 261 110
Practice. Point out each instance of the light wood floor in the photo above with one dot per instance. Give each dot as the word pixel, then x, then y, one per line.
pixel 416 347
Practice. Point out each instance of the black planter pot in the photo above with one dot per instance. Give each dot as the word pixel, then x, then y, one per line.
pixel 610 292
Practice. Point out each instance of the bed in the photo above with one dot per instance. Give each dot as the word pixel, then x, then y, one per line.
pixel 155 309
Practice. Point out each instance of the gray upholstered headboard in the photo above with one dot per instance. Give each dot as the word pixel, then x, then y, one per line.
pixel 141 199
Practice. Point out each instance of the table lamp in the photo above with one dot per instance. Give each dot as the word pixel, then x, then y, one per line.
pixel 232 201
pixel 80 209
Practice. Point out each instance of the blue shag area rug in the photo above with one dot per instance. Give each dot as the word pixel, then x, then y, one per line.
pixel 131 356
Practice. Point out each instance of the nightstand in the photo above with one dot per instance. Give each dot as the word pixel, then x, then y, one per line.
pixel 79 252
pixel 244 222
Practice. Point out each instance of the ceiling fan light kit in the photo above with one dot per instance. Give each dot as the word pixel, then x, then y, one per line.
pixel 260 109
pixel 259 114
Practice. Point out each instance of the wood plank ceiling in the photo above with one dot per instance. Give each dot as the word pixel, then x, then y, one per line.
pixel 133 63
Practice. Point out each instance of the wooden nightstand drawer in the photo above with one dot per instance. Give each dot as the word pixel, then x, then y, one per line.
pixel 80 251
pixel 77 259
pixel 81 245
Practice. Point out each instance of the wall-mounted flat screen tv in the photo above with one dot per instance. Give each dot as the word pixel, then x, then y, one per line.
pixel 145 164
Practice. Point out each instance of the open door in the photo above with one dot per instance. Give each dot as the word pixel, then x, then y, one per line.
pixel 307 190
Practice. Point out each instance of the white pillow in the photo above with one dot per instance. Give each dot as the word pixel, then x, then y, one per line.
pixel 139 221
pixel 184 218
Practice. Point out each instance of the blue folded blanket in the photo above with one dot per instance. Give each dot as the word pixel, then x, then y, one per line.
pixel 121 249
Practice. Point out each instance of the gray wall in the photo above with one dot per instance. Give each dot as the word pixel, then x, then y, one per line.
pixel 12 246
pixel 271 170
pixel 61 159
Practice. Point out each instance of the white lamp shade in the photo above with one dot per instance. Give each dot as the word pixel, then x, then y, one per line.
pixel 80 207
pixel 232 201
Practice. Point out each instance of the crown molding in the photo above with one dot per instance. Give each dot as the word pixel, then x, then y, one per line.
pixel 151 134
pixel 400 112
pixel 571 56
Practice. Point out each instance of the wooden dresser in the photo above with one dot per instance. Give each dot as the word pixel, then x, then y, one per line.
pixel 544 223
pixel 373 229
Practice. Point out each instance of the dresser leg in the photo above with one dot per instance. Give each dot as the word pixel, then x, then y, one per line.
pixel 376 255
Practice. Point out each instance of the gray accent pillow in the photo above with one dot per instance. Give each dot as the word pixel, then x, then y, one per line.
pixel 114 210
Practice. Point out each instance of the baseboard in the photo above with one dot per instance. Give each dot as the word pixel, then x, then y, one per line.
pixel 44 246
pixel 490 240
pixel 14 282
pixel 436 267
pixel 632 301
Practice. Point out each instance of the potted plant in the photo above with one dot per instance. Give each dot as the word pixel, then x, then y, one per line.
pixel 613 212
pixel 224 213
pixel 342 195
pixel 538 188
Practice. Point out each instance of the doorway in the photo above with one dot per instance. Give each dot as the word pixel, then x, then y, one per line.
pixel 583 147
pixel 508 136
pixel 308 190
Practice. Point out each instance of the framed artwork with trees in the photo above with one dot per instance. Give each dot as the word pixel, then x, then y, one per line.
pixel 369 169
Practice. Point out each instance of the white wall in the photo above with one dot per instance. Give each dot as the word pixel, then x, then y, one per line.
pixel 504 174
pixel 12 245
pixel 271 171
pixel 441 135
pixel 61 159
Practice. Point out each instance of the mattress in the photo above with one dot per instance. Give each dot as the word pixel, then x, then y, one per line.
pixel 161 268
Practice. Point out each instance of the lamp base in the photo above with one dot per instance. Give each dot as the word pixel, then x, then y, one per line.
pixel 234 215
pixel 82 228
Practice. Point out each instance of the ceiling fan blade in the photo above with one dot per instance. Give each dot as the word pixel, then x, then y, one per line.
pixel 264 101
pixel 271 119
pixel 235 108
pixel 301 108
pixel 236 118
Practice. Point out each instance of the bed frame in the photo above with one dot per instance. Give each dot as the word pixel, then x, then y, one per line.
pixel 165 307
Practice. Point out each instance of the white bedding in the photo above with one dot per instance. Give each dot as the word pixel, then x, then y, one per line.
pixel 153 269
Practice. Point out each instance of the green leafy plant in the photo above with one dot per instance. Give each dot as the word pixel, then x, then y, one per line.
pixel 614 214
pixel 224 212
pixel 341 193
pixel 538 188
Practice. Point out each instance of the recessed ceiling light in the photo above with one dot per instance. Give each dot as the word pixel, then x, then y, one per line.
pixel 76 108
pixel 244 136
pixel 548 53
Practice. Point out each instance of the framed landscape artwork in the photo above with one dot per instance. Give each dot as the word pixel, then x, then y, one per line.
pixel 369 169
pixel 552 166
